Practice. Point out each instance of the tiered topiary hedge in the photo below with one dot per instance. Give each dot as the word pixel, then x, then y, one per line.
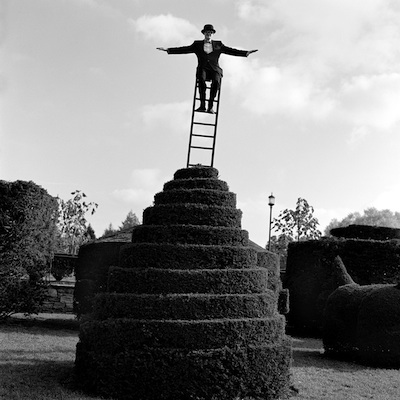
pixel 191 311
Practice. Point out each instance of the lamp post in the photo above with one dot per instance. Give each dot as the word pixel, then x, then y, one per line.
pixel 271 203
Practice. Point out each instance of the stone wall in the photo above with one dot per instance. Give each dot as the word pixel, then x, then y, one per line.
pixel 59 298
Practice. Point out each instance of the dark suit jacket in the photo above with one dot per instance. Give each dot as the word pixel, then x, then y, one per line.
pixel 207 61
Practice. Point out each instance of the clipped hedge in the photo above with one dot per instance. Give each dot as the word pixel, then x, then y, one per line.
pixel 84 292
pixel 196 172
pixel 179 374
pixel 366 232
pixel 162 281
pixel 190 234
pixel 270 261
pixel 310 274
pixel 114 335
pixel 362 323
pixel 341 320
pixel 184 306
pixel 91 272
pixel 194 317
pixel 199 196
pixel 185 256
pixel 212 184
pixel 194 214
pixel 378 327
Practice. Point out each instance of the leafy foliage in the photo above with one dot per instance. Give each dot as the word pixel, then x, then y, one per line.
pixel 279 245
pixel 72 222
pixel 28 216
pixel 130 221
pixel 299 223
pixel 371 216
pixel 109 231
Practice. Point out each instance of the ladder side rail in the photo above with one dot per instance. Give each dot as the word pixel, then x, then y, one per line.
pixel 191 124
pixel 216 123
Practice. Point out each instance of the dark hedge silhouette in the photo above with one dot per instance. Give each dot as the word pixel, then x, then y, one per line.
pixel 191 310
pixel 310 274
pixel 362 323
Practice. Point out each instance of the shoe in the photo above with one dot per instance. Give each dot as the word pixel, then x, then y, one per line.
pixel 211 111
pixel 201 109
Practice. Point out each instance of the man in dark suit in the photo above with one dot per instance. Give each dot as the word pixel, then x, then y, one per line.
pixel 207 52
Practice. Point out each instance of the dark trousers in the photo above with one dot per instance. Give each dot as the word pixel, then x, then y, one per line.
pixel 204 75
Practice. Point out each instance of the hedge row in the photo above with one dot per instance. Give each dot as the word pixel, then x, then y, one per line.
pixel 193 306
pixel 115 335
pixel 194 214
pixel 165 374
pixel 196 172
pixel 191 234
pixel 162 281
pixel 201 196
pixel 310 273
pixel 186 256
pixel 366 232
pixel 212 184
pixel 362 322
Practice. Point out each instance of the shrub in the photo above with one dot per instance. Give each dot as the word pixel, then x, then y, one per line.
pixel 310 280
pixel 28 216
pixel 362 322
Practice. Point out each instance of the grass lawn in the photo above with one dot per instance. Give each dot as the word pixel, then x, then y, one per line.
pixel 36 363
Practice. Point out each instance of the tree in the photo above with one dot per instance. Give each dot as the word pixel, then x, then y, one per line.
pixel 28 217
pixel 72 221
pixel 371 216
pixel 298 224
pixel 130 221
pixel 279 245
pixel 90 233
pixel 109 231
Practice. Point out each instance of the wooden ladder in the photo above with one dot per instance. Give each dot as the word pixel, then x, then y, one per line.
pixel 203 129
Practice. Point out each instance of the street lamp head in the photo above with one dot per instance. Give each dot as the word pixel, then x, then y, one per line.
pixel 271 200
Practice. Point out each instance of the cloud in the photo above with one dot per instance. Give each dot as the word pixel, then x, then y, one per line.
pixel 165 29
pixel 372 101
pixel 388 199
pixel 336 33
pixel 272 89
pixel 333 59
pixel 144 183
pixel 168 116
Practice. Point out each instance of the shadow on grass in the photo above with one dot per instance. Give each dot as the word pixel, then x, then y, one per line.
pixel 309 352
pixel 36 379
pixel 49 323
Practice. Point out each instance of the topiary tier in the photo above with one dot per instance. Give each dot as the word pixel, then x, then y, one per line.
pixel 191 311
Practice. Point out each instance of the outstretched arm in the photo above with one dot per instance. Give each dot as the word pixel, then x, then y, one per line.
pixel 250 51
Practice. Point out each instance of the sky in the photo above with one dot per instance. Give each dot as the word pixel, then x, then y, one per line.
pixel 88 103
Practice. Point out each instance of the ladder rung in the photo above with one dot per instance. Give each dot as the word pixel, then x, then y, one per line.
pixel 200 147
pixel 215 100
pixel 206 136
pixel 195 165
pixel 202 123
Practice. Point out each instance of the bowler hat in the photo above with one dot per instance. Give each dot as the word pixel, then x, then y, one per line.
pixel 208 27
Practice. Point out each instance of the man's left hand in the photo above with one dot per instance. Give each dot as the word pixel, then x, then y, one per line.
pixel 250 51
